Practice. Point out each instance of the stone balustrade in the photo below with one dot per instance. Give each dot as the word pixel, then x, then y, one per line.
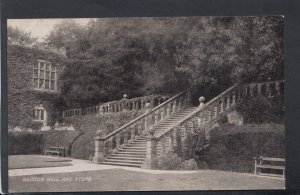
pixel 105 145
pixel 124 104
pixel 206 116
pixel 269 89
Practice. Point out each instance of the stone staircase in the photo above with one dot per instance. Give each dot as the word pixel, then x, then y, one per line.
pixel 134 153
pixel 137 143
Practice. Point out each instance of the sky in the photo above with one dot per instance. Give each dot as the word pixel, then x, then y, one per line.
pixel 40 28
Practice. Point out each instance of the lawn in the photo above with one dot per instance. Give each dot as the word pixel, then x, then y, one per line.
pixel 125 180
pixel 34 161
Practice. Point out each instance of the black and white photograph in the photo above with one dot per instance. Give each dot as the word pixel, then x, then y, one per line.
pixel 146 104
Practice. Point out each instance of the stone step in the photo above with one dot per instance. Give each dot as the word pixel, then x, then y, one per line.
pixel 124 161
pixel 121 164
pixel 132 152
pixel 135 147
pixel 138 144
pixel 125 158
pixel 130 155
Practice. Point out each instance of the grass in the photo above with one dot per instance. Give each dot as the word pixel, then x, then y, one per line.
pixel 125 180
pixel 33 161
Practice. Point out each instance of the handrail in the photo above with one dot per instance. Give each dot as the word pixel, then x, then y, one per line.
pixel 197 111
pixel 143 116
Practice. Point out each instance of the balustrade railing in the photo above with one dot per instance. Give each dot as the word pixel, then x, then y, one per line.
pixel 118 106
pixel 269 89
pixel 205 115
pixel 208 114
pixel 115 140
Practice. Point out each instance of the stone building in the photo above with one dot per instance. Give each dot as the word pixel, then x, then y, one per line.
pixel 33 86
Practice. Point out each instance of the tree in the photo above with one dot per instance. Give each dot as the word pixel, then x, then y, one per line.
pixel 141 56
pixel 17 36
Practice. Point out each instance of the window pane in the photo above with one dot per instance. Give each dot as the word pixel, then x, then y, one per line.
pixel 36 65
pixel 47 75
pixel 52 85
pixel 53 68
pixel 47 66
pixel 35 72
pixel 42 115
pixel 41 83
pixel 35 82
pixel 42 73
pixel 47 84
pixel 42 65
pixel 52 75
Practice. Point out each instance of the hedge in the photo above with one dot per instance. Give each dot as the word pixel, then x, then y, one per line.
pixel 36 142
pixel 232 148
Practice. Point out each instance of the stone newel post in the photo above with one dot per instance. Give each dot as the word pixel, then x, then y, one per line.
pixel 149 117
pixel 99 148
pixel 201 100
pixel 124 103
pixel 151 147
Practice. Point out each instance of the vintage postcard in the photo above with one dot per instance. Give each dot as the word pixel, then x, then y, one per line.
pixel 146 104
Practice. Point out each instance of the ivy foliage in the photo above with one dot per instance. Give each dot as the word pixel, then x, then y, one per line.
pixel 22 98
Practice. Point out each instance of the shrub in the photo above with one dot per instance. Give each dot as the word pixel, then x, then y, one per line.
pixel 168 161
pixel 25 143
pixel 260 109
pixel 232 148
pixel 190 164
pixel 223 119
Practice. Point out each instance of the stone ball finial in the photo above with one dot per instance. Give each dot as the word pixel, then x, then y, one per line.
pixel 151 131
pixel 99 132
pixel 148 105
pixel 125 96
pixel 201 99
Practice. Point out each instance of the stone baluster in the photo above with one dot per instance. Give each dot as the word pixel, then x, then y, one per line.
pixel 259 89
pixel 200 119
pixel 156 116
pixel 174 106
pixel 222 105
pixel 216 112
pixel 126 136
pixel 132 133
pixel 163 144
pixel 277 87
pixel 209 115
pixel 185 132
pixel 168 109
pixel 251 90
pixel 118 141
pixel 228 102
pixel 172 140
pixel 268 90
pixel 176 130
pixel 233 98
pixel 110 145
pixel 162 113
pixel 179 103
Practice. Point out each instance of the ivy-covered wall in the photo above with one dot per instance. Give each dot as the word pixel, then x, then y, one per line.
pixel 22 98
pixel 84 146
